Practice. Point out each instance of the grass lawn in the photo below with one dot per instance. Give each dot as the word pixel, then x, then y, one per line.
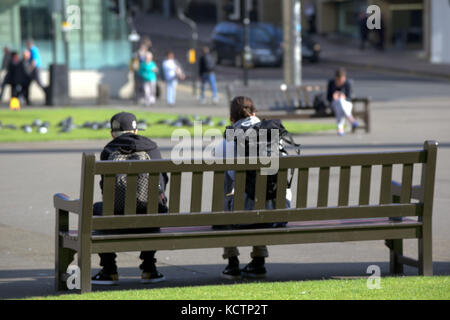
pixel 408 288
pixel 81 115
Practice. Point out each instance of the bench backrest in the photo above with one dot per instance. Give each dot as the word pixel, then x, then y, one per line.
pixel 300 212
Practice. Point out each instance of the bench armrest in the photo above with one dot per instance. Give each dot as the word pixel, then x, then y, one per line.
pixel 63 202
pixel 416 191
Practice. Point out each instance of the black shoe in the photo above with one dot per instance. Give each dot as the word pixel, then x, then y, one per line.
pixel 232 271
pixel 105 279
pixel 255 269
pixel 152 277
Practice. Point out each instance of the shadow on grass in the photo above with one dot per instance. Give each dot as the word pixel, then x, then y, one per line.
pixel 15 284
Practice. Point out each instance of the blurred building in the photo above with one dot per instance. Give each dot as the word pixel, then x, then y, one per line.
pixel 408 24
pixel 101 40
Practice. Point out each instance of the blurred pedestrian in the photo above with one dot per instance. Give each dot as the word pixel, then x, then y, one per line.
pixel 363 30
pixel 35 64
pixel 207 75
pixel 310 12
pixel 147 72
pixel 339 95
pixel 18 76
pixel 172 72
pixel 138 57
pixel 6 58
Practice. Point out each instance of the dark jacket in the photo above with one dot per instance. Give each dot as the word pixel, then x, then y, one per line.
pixel 332 88
pixel 206 64
pixel 18 74
pixel 129 143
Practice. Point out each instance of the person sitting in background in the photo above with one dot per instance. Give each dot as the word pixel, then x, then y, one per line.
pixel 339 95
pixel 147 72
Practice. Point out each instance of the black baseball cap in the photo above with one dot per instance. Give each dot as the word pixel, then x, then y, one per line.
pixel 123 121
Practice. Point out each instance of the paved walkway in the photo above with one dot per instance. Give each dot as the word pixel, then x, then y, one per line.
pixel 42 169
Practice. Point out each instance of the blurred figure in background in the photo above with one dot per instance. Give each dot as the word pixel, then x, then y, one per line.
pixel 147 72
pixel 310 12
pixel 207 75
pixel 172 72
pixel 363 30
pixel 339 95
pixel 138 57
pixel 35 64
pixel 18 76
pixel 6 60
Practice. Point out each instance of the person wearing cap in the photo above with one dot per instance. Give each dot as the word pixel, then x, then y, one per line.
pixel 125 139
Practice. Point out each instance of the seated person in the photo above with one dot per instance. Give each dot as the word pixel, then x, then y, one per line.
pixel 339 96
pixel 126 144
pixel 243 116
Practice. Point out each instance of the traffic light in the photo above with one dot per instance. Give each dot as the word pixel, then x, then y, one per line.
pixel 115 7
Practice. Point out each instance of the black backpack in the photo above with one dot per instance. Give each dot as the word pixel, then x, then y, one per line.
pixel 285 138
pixel 320 104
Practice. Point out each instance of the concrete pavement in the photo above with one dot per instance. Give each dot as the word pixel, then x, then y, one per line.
pixel 32 172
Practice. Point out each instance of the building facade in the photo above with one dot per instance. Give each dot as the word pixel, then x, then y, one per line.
pixel 97 39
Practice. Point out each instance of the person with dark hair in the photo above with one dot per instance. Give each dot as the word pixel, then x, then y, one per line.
pixel 18 76
pixel 243 117
pixel 339 95
pixel 128 145
pixel 207 75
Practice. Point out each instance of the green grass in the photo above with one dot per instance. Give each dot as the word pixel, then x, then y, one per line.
pixel 408 288
pixel 81 115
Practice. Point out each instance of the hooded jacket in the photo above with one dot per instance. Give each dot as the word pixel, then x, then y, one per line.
pixel 130 143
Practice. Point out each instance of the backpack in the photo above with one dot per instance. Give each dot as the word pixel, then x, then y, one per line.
pixel 320 104
pixel 142 185
pixel 285 138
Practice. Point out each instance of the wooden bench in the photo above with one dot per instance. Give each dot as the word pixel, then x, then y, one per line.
pixel 296 103
pixel 402 212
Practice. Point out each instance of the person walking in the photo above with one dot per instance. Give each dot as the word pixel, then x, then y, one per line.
pixel 207 75
pixel 147 72
pixel 35 64
pixel 339 95
pixel 171 72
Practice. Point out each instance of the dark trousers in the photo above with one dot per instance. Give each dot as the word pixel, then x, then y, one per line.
pixel 108 260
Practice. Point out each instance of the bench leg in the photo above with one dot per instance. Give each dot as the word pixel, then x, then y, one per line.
pixel 63 258
pixel 425 257
pixel 395 250
pixel 84 262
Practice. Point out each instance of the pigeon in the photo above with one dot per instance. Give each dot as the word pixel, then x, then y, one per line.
pixel 37 123
pixel 43 130
pixel 45 124
pixel 185 121
pixel 163 121
pixel 66 122
pixel 222 123
pixel 105 125
pixel 27 128
pixel 208 122
pixel 10 126
pixel 95 126
pixel 176 123
pixel 87 125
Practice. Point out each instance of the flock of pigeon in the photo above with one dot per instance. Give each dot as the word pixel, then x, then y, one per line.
pixel 67 125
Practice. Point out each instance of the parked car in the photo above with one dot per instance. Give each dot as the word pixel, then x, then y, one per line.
pixel 265 44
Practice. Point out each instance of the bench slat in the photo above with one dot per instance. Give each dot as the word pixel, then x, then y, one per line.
pixel 302 188
pixel 281 189
pixel 153 193
pixel 196 191
pixel 218 196
pixel 109 182
pixel 407 177
pixel 386 181
pixel 364 186
pixel 260 190
pixel 174 195
pixel 130 194
pixel 331 160
pixel 344 186
pixel 262 216
pixel 324 179
pixel 239 190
